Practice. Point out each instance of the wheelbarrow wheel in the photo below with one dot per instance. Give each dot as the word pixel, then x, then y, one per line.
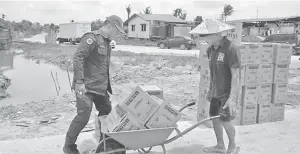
pixel 111 144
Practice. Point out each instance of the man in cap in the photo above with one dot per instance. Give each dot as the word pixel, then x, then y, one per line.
pixel 224 81
pixel 91 77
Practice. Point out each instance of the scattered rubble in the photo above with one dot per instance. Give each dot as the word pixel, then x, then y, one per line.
pixel 4 84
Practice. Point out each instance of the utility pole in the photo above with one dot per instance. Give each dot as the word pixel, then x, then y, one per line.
pixel 256 13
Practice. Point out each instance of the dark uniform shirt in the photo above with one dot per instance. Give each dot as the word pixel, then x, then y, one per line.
pixel 220 62
pixel 91 62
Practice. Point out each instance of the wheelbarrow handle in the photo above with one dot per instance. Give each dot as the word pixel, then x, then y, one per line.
pixel 180 134
pixel 187 105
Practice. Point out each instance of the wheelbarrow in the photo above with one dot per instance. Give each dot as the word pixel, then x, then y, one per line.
pixel 120 142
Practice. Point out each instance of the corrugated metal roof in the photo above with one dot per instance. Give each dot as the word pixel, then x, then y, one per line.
pixel 158 17
pixel 83 22
pixel 161 17
pixel 264 19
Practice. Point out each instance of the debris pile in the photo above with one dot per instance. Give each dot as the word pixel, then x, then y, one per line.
pixel 4 84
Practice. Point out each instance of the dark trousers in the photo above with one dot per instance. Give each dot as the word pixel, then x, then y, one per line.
pixel 84 109
pixel 216 108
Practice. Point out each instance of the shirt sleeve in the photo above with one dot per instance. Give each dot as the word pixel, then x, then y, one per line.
pixel 234 57
pixel 87 45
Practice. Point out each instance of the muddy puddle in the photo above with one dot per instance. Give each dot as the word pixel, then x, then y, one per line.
pixel 32 81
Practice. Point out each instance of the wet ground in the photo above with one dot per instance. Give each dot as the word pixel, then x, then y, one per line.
pixel 32 81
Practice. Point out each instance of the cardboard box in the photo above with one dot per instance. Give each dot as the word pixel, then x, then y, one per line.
pixel 244 53
pixel 264 113
pixel 278 111
pixel 279 93
pixel 235 35
pixel 204 76
pixel 203 92
pixel 238 118
pixel 165 116
pixel 281 73
pixel 250 95
pixel 203 57
pixel 128 123
pixel 114 118
pixel 249 114
pixel 265 93
pixel 120 120
pixel 267 54
pixel 240 96
pixel 266 73
pixel 283 53
pixel 153 90
pixel 140 104
pixel 254 54
pixel 203 111
pixel 242 74
pixel 251 74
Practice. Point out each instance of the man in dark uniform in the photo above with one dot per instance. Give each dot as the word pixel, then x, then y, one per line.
pixel 224 83
pixel 91 77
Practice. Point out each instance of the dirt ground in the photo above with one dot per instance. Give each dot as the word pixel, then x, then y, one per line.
pixel 177 76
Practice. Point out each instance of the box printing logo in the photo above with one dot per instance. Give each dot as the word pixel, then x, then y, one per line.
pixel 138 103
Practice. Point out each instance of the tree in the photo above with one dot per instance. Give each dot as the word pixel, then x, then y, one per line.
pixel 179 13
pixel 52 26
pixel 26 25
pixel 198 20
pixel 128 10
pixel 183 16
pixel 227 11
pixel 147 10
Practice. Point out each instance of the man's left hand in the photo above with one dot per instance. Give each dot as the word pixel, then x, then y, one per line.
pixel 231 103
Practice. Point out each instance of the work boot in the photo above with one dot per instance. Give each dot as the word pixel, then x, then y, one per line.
pixel 71 149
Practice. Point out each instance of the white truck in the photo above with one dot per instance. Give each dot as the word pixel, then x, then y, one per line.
pixel 72 32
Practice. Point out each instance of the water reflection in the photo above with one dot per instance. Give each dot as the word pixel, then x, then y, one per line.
pixel 6 60
pixel 32 80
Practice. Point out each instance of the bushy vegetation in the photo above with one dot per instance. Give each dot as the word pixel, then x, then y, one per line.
pixel 26 28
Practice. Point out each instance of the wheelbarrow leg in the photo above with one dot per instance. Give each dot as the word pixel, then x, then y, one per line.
pixel 164 149
pixel 144 151
pixel 104 140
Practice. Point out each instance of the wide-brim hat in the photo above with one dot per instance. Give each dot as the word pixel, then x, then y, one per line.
pixel 211 26
pixel 117 21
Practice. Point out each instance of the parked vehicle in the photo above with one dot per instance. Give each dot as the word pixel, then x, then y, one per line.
pixel 285 38
pixel 72 32
pixel 5 38
pixel 184 42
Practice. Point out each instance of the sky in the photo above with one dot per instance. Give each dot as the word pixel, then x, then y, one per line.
pixel 60 11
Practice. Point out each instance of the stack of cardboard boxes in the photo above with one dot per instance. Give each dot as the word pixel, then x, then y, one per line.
pixel 203 104
pixel 264 78
pixel 144 108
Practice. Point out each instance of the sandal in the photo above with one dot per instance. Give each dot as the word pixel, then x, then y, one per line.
pixel 213 149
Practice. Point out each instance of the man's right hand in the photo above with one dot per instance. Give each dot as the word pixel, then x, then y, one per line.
pixel 80 90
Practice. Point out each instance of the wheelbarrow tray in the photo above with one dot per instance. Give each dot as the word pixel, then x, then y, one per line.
pixel 137 139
